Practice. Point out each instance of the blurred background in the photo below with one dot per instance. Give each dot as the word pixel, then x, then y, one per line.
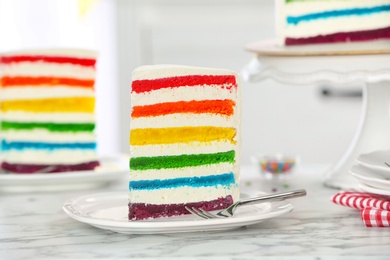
pixel 317 122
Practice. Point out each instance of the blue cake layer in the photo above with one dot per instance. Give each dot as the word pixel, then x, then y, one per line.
pixel 6 146
pixel 225 179
pixel 338 13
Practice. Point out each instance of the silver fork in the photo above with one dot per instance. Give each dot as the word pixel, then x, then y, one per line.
pixel 229 212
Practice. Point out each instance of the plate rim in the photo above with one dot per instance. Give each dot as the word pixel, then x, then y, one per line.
pixel 361 177
pixel 116 169
pixel 283 207
pixel 372 165
pixel 4 176
pixel 374 190
pixel 269 47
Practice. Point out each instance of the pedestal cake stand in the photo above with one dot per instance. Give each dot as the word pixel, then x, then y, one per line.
pixel 337 64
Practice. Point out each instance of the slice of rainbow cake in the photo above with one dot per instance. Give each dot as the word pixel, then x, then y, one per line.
pixel 47 103
pixel 300 22
pixel 184 140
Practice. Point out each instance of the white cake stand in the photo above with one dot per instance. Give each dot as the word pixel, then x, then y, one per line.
pixel 338 64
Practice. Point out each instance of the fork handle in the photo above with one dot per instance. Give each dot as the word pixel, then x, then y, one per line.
pixel 273 197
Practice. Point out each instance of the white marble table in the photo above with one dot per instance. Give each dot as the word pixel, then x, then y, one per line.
pixel 33 226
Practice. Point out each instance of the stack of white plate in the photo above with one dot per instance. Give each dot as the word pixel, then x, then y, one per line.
pixel 373 172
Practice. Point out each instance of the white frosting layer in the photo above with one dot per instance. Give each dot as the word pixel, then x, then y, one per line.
pixel 163 174
pixel 205 92
pixel 181 148
pixel 48 69
pixel 63 156
pixel 340 24
pixel 179 120
pixel 166 70
pixel 16 93
pixel 66 52
pixel 182 195
pixel 16 116
pixel 42 135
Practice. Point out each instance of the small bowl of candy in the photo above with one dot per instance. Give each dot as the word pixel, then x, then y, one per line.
pixel 276 166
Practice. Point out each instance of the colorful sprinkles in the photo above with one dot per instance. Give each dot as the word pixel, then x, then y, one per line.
pixel 275 166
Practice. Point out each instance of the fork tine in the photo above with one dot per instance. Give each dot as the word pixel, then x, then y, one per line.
pixel 192 211
pixel 196 212
pixel 205 212
pixel 200 213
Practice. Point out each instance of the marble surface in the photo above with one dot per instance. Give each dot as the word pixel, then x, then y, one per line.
pixel 34 226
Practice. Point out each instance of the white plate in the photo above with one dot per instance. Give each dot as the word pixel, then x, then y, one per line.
pixel 373 178
pixel 110 169
pixel 271 47
pixel 373 190
pixel 109 211
pixel 376 160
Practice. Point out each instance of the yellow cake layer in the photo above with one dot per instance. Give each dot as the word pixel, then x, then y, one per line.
pixel 70 104
pixel 147 136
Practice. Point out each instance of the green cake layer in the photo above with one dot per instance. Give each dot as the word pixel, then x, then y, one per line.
pixel 177 161
pixel 52 127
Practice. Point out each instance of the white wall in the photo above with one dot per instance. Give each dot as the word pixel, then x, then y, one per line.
pixel 213 33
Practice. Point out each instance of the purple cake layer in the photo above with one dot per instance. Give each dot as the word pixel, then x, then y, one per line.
pixel 139 211
pixel 41 168
pixel 356 36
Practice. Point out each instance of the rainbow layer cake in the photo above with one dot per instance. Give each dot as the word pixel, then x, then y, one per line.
pixel 47 111
pixel 332 21
pixel 184 140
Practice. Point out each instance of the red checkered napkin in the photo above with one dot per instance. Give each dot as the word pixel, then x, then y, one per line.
pixel 374 209
pixel 373 217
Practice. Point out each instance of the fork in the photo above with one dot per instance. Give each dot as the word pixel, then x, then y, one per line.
pixel 229 211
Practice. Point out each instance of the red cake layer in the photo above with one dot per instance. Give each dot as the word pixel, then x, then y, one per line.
pixel 139 211
pixel 146 85
pixel 356 36
pixel 52 59
pixel 41 168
